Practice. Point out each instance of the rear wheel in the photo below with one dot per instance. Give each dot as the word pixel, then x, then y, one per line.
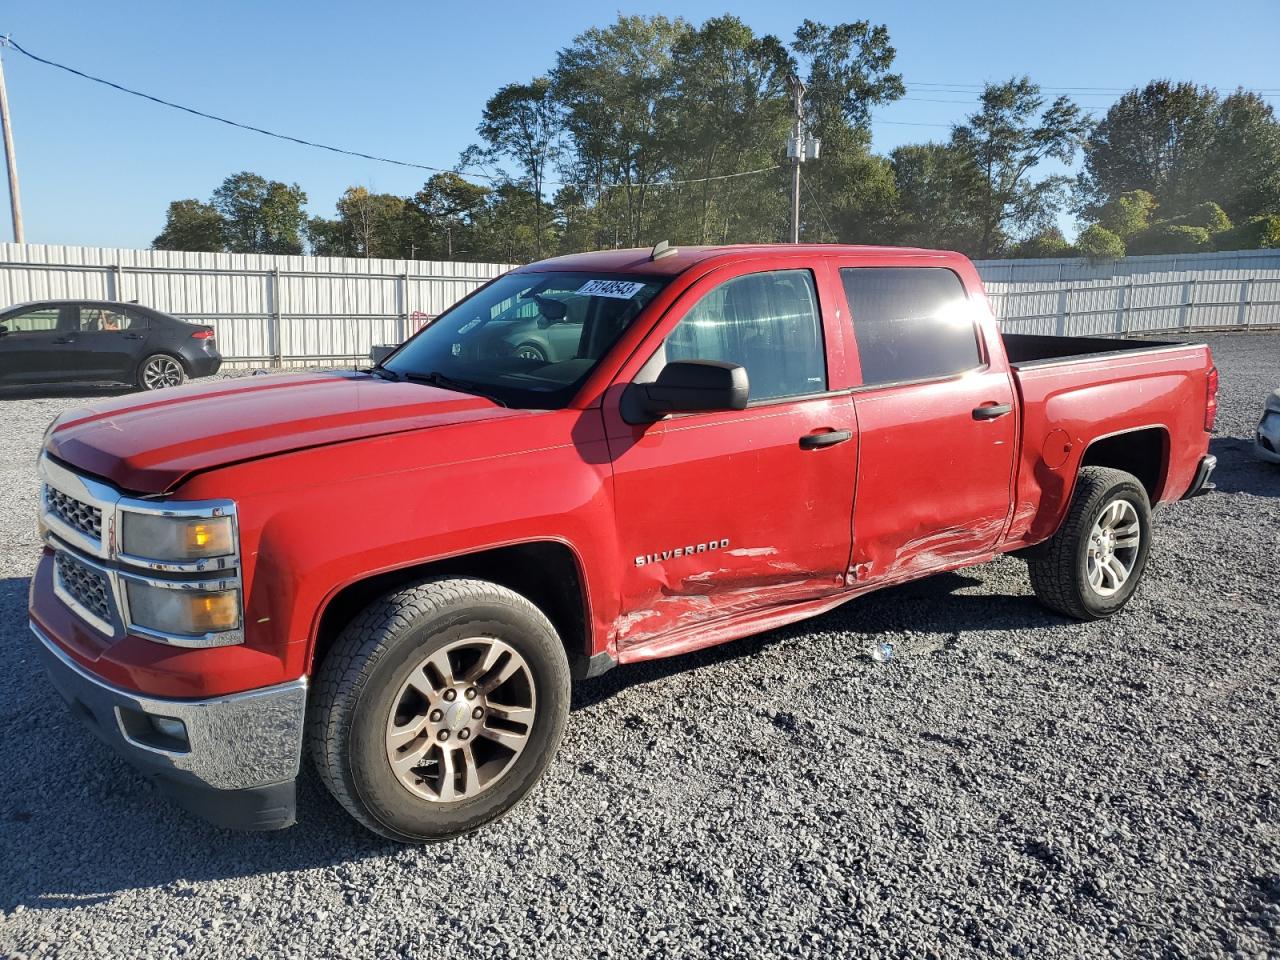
pixel 1090 568
pixel 438 708
pixel 161 370
pixel 531 351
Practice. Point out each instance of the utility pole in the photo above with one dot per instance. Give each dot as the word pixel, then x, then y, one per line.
pixel 799 148
pixel 795 150
pixel 11 160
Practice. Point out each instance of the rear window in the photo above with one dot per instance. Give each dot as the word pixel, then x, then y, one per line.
pixel 910 323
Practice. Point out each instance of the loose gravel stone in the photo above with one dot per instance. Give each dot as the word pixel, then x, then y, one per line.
pixel 1008 784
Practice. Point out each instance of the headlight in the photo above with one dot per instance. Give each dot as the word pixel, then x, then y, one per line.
pixel 191 613
pixel 177 539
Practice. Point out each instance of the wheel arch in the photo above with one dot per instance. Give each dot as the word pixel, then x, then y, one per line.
pixel 549 573
pixel 1141 451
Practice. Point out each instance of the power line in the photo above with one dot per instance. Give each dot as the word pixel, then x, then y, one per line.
pixel 342 150
pixel 231 123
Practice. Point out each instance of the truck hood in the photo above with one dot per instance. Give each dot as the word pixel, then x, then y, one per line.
pixel 150 443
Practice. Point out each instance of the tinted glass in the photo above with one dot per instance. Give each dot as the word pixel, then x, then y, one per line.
pixel 767 322
pixel 911 323
pixel 485 341
pixel 102 320
pixel 44 320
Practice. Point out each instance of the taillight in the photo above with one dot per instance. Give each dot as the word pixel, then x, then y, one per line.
pixel 1211 399
pixel 204 334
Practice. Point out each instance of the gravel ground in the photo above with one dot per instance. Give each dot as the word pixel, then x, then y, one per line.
pixel 1009 784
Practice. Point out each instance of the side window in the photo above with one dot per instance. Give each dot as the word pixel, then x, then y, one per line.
pixel 768 323
pixel 43 320
pixel 911 323
pixel 101 320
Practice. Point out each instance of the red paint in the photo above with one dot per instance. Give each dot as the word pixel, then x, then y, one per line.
pixel 339 476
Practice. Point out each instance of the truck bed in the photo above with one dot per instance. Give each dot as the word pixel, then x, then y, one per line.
pixel 1029 349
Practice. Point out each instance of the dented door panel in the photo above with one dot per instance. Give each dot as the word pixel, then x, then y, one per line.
pixel 721 514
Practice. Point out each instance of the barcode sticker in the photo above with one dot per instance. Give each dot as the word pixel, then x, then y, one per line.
pixel 615 289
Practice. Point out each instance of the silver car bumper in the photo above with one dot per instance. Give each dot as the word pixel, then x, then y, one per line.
pixel 233 759
pixel 1266 441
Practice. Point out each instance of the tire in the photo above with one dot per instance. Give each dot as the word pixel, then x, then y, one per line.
pixel 1061 572
pixel 531 351
pixel 368 698
pixel 160 370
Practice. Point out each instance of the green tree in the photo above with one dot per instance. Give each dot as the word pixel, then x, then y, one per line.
pixel 192 225
pixel 1168 237
pixel 261 216
pixel 1046 244
pixel 1007 139
pixel 848 193
pixel 731 115
pixel 367 225
pixel 1241 169
pixel 441 216
pixel 938 193
pixel 1099 243
pixel 616 86
pixel 524 121
pixel 1128 214
pixel 1150 139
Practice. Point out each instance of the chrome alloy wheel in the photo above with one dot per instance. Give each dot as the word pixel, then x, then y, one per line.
pixel 1113 547
pixel 161 372
pixel 461 719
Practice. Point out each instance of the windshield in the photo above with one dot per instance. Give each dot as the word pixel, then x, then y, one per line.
pixel 527 339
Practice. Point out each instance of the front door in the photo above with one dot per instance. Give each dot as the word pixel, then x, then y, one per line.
pixel 937 425
pixel 728 512
pixel 34 347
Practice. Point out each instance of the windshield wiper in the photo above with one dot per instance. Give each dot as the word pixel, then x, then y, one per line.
pixel 384 373
pixel 437 379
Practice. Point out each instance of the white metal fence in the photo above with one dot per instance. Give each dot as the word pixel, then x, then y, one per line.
pixel 264 309
pixel 318 310
pixel 1160 294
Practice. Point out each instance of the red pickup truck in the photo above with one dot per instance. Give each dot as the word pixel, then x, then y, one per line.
pixel 400 571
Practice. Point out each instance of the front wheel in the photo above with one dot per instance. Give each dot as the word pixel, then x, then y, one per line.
pixel 1090 568
pixel 161 370
pixel 438 708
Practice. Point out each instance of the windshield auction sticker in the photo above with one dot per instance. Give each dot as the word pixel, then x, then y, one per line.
pixel 616 289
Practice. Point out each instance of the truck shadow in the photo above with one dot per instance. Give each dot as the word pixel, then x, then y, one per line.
pixel 65 391
pixel 79 826
pixel 1239 471
pixel 63 786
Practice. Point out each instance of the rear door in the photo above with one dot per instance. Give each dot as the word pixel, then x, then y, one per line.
pixel 936 419
pixel 34 345
pixel 110 342
pixel 728 512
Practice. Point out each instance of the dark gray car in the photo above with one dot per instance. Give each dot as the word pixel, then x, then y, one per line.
pixel 57 341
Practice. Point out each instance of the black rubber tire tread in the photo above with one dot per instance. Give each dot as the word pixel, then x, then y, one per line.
pixel 141 384
pixel 1057 575
pixel 340 680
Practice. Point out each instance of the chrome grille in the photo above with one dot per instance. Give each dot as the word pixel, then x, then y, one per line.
pixel 87 586
pixel 85 518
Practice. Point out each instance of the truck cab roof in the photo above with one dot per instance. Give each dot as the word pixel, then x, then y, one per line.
pixel 638 260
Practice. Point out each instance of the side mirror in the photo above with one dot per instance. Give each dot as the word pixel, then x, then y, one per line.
pixel 687 386
pixel 3 329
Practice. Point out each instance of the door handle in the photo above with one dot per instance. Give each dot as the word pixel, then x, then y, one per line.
pixel 816 441
pixel 133 336
pixel 990 411
pixel 64 340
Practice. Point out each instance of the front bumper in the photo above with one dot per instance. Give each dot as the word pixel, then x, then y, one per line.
pixel 234 760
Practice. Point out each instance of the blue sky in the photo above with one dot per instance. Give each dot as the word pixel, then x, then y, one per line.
pixel 408 80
